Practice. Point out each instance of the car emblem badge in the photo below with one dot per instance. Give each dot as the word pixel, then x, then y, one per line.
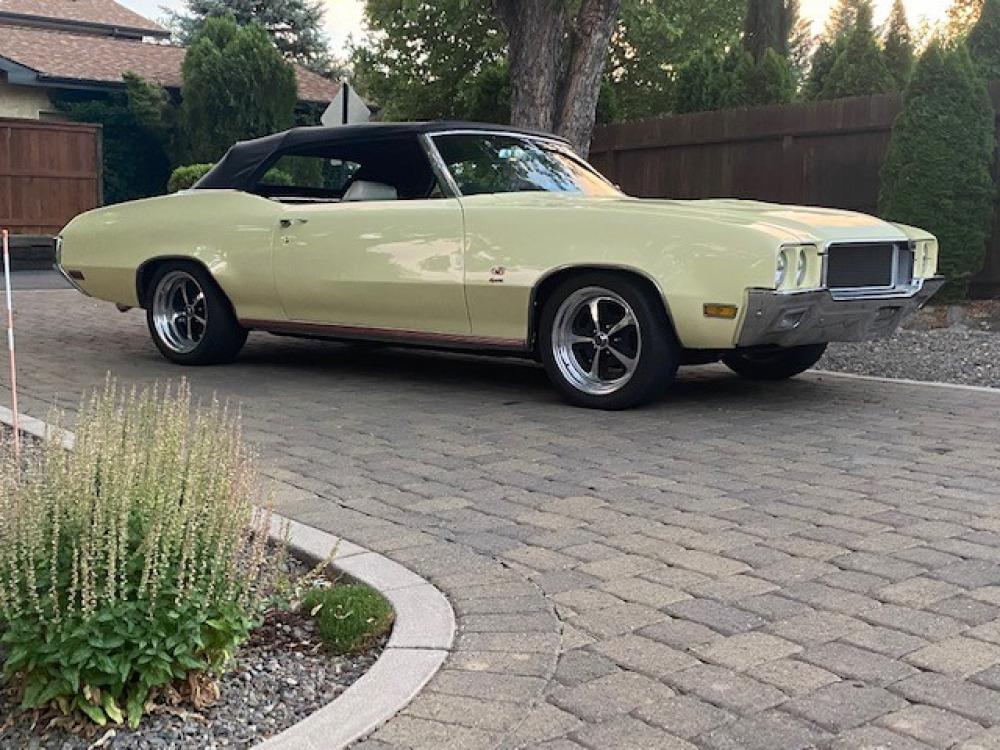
pixel 497 274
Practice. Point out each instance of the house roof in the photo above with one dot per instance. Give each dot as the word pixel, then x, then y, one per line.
pixel 102 16
pixel 80 59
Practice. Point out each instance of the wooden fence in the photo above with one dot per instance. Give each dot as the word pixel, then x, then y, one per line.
pixel 820 154
pixel 49 173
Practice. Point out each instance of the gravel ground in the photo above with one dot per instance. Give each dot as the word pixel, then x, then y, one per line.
pixel 281 676
pixel 948 355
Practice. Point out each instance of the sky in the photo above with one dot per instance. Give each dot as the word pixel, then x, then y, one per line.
pixel 345 17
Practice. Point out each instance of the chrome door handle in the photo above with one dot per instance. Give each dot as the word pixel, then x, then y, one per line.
pixel 287 223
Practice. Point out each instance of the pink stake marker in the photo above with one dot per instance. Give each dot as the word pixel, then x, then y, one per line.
pixel 10 343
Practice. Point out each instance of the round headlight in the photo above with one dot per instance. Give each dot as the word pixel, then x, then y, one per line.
pixel 782 269
pixel 802 268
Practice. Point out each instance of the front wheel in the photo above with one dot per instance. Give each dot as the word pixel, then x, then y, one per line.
pixel 778 364
pixel 190 319
pixel 606 343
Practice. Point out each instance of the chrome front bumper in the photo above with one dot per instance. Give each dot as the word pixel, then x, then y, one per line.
pixel 781 319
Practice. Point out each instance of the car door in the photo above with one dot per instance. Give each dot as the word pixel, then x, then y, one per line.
pixel 385 258
pixel 394 265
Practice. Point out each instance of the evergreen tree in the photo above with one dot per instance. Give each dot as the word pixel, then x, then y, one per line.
pixel 860 68
pixel 937 173
pixel 236 85
pixel 984 41
pixel 756 83
pixel 765 27
pixel 823 60
pixel 700 84
pixel 295 26
pixel 899 45
pixel 844 15
pixel 962 15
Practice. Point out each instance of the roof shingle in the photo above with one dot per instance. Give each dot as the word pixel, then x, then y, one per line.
pixel 100 59
pixel 103 12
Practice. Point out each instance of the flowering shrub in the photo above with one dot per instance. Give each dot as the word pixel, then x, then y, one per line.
pixel 132 563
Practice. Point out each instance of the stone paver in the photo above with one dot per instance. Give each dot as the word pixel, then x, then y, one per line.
pixel 810 563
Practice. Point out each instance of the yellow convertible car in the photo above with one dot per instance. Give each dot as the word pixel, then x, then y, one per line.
pixel 486 238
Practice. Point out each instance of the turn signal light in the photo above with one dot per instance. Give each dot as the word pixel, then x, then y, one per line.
pixel 726 312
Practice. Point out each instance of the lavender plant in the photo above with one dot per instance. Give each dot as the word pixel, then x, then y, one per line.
pixel 133 562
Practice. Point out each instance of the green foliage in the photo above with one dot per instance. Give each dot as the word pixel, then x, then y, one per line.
pixel 236 85
pixel 826 55
pixel 131 562
pixel 898 47
pixel 860 68
pixel 654 39
pixel 844 16
pixel 984 41
pixel 422 60
pixel 350 618
pixel 709 82
pixel 486 96
pixel 700 84
pixel 937 172
pixel 447 59
pixel 962 16
pixel 295 26
pixel 136 126
pixel 184 177
pixel 769 24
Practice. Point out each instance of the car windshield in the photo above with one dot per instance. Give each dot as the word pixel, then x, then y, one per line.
pixel 487 163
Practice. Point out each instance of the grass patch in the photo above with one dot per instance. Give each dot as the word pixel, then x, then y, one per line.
pixel 350 618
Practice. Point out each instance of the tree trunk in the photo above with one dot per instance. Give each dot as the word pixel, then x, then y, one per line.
pixel 555 72
pixel 535 29
pixel 581 89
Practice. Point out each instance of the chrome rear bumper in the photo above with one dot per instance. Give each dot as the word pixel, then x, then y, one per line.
pixel 781 319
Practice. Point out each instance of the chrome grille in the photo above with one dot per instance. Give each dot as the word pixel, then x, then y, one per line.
pixel 869 265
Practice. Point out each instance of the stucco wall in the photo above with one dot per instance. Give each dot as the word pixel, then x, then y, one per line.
pixel 22 101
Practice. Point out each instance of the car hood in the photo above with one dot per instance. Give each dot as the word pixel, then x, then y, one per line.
pixel 786 224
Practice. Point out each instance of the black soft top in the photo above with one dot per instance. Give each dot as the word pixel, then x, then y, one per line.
pixel 246 160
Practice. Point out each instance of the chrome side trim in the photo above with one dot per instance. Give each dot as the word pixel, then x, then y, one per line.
pixel 816 317
pixel 440 169
pixel 62 271
pixel 386 335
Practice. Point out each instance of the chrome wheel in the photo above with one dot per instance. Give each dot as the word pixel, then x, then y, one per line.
pixel 596 341
pixel 180 312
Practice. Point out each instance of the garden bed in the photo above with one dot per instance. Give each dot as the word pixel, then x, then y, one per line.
pixel 281 675
pixel 297 660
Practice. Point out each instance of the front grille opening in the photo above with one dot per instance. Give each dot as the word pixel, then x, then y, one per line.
pixel 858 265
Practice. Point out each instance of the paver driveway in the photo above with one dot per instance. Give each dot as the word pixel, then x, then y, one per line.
pixel 740 566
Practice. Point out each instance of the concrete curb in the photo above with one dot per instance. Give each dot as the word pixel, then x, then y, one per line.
pixel 905 381
pixel 421 637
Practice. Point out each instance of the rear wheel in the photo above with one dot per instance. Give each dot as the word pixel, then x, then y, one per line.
pixel 606 343
pixel 778 364
pixel 190 319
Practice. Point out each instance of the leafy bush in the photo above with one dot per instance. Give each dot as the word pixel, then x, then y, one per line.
pixel 133 562
pixel 184 177
pixel 860 68
pixel 350 618
pixel 136 148
pixel 708 82
pixel 937 172
pixel 236 85
pixel 984 41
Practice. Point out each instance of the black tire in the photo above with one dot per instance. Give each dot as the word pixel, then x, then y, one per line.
pixel 779 364
pixel 221 337
pixel 655 358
